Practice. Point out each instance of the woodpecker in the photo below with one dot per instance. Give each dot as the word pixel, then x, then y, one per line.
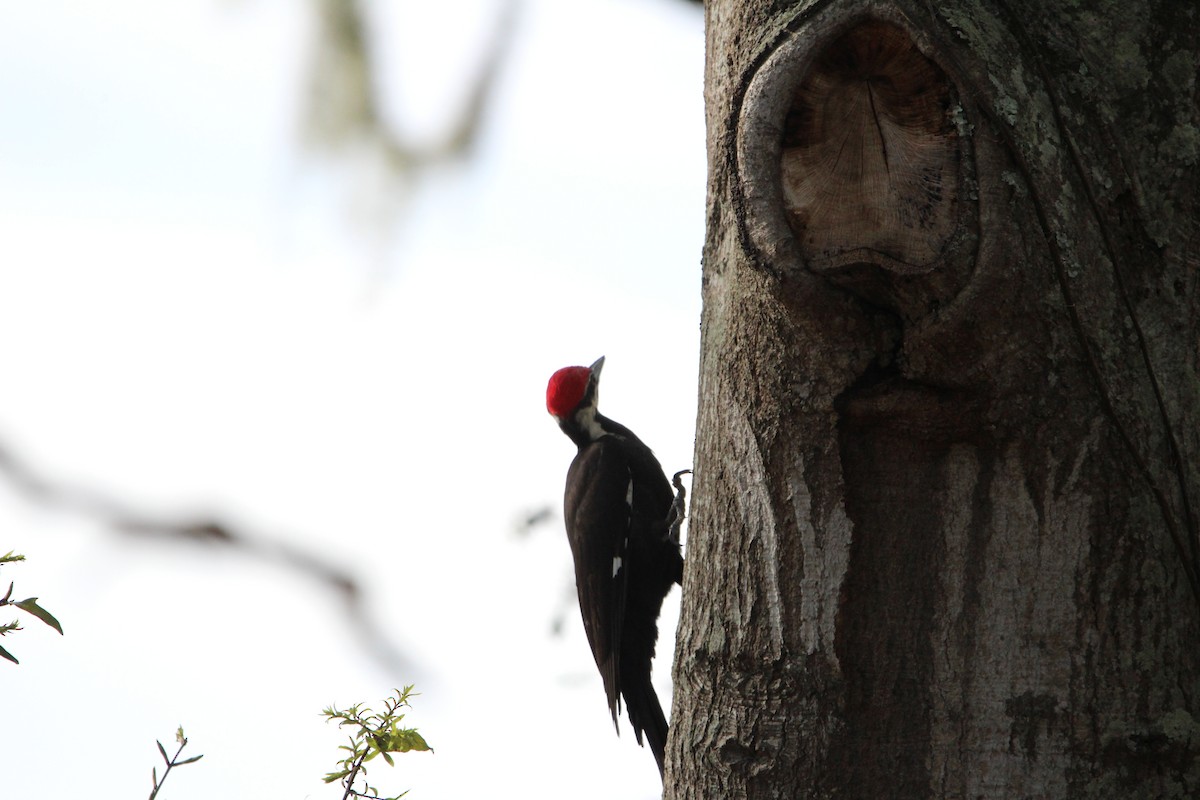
pixel 620 517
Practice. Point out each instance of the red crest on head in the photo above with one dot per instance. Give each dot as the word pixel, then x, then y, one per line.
pixel 566 389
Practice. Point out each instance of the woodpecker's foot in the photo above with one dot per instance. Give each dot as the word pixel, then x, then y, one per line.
pixel 675 518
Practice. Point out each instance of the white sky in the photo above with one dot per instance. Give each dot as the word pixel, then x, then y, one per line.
pixel 191 321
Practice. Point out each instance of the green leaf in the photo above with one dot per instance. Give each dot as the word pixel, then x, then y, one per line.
pixel 45 616
pixel 5 654
pixel 402 741
pixel 7 557
pixel 388 759
pixel 154 776
pixel 189 760
pixel 162 750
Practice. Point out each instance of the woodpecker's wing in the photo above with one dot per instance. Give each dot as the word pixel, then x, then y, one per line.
pixel 598 512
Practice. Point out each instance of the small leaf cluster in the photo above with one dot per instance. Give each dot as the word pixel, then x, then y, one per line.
pixel 374 734
pixel 29 605
pixel 169 761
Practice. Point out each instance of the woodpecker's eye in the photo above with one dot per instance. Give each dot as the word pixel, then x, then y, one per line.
pixel 566 389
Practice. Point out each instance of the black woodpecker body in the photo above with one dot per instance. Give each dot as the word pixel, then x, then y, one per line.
pixel 618 510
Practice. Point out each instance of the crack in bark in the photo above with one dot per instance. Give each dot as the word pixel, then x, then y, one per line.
pixel 879 127
pixel 1188 548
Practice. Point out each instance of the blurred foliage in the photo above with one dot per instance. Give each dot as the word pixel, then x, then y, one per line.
pixel 29 605
pixel 375 734
pixel 170 761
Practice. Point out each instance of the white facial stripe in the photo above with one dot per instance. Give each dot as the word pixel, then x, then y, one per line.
pixel 587 421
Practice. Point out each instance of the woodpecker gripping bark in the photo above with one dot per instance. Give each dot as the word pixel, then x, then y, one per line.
pixel 622 525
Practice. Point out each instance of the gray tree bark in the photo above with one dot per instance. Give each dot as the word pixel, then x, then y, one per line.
pixel 943 539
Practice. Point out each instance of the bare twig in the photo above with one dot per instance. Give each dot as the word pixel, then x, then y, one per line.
pixel 171 762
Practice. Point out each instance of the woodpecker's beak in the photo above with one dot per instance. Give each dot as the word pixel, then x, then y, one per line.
pixel 595 368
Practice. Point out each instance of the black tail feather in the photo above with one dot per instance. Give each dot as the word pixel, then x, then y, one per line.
pixel 646 716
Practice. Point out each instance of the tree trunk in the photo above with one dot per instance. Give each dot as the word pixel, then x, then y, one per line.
pixel 944 537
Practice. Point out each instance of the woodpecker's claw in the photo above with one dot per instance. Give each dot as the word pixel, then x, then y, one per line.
pixel 675 520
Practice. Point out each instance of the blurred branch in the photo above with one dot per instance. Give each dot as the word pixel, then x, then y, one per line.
pixel 530 519
pixel 211 531
pixel 344 104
